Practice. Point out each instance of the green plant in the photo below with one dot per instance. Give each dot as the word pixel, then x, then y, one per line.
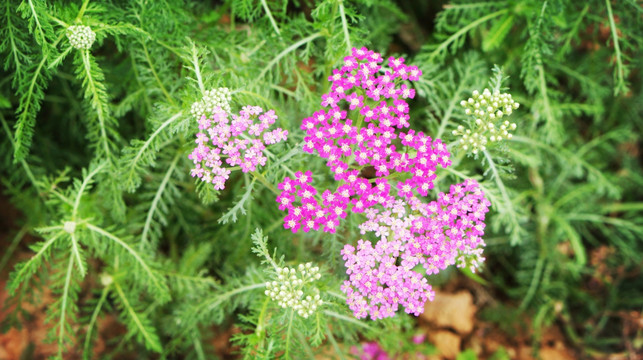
pixel 96 107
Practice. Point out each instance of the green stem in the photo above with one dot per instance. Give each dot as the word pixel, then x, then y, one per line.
pixel 92 321
pixel 264 181
pixel 133 253
pixel 134 316
pixel 96 103
pixel 288 334
pixel 259 331
pixel 345 25
pixel 58 21
pixel 533 285
pixel 82 189
pixel 351 320
pixel 503 191
pixel 333 342
pixel 288 50
pixel 38 26
pixel 24 164
pixel 148 142
pixel 272 20
pixel 197 69
pixel 157 199
pixel 463 31
pixel 63 307
pixel 12 247
pixel 156 76
pixel 620 71
pixel 83 8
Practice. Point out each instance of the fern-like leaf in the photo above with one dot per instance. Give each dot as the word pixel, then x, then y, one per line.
pixel 148 276
pixel 136 320
pixel 100 122
pixel 141 154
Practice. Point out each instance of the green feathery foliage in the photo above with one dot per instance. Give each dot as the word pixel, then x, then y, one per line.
pixel 97 124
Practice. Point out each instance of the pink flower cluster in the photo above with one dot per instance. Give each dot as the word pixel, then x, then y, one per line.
pixel 361 127
pixel 434 235
pixel 370 351
pixel 349 148
pixel 240 142
pixel 373 351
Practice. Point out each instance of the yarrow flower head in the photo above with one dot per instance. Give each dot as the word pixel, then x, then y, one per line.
pixel 81 37
pixel 237 140
pixel 361 126
pixel 376 101
pixel 219 97
pixel 487 109
pixel 293 290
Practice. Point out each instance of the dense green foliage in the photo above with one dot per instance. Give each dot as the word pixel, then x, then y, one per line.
pixel 95 141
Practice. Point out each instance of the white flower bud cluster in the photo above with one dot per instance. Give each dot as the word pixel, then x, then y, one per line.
pixel 69 227
pixel 219 97
pixel 471 258
pixel 288 289
pixel 106 279
pixel 488 110
pixel 80 36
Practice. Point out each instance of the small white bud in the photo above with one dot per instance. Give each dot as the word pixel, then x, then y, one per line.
pixel 81 37
pixel 106 279
pixel 69 227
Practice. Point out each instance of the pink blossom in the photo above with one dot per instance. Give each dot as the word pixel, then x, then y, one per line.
pixel 240 141
pixel 412 236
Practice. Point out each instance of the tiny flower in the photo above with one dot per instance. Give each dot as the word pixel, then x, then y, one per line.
pixel 81 37
pixel 241 139
pixel 69 227
pixel 293 289
pixel 486 122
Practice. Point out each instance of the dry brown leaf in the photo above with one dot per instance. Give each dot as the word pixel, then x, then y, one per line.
pixel 13 343
pixel 455 311
pixel 555 354
pixel 448 343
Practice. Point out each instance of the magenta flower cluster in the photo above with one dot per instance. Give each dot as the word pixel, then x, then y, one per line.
pixel 373 350
pixel 239 142
pixel 362 126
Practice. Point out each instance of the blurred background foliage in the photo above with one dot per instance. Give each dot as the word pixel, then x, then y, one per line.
pixel 564 242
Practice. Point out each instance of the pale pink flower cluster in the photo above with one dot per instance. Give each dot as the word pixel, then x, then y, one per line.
pixel 360 127
pixel 437 234
pixel 239 142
